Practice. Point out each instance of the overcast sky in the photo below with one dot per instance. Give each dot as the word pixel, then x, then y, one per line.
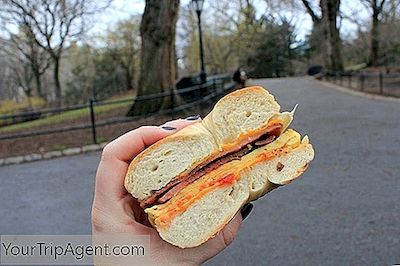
pixel 122 9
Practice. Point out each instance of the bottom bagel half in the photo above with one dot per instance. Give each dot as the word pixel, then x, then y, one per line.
pixel 204 207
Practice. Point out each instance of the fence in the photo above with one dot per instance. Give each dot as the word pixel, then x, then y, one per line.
pixel 371 82
pixel 199 94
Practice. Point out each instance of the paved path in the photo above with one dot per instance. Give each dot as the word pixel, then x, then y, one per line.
pixel 344 211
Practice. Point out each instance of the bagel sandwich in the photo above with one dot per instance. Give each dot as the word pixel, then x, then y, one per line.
pixel 193 182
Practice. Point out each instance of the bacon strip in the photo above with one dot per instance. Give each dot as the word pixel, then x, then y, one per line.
pixel 205 170
pixel 265 141
pixel 172 188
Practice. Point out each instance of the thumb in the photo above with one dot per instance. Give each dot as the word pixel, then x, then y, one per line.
pixel 127 146
pixel 181 123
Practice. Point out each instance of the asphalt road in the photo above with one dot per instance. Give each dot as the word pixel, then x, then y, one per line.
pixel 345 210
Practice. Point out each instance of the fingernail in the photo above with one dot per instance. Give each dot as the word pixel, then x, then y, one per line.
pixel 168 128
pixel 245 210
pixel 193 117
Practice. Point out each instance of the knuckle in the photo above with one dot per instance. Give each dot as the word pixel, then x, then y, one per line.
pixel 143 129
pixel 228 235
pixel 107 151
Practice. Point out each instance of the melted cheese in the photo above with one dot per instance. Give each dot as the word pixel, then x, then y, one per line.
pixel 241 141
pixel 252 135
pixel 222 176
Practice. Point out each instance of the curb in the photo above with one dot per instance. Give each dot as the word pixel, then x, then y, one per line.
pixel 357 93
pixel 51 154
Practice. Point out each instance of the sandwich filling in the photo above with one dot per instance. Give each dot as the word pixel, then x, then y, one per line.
pixel 161 215
pixel 268 135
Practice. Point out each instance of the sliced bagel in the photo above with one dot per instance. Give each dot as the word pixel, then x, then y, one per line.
pixel 199 211
pixel 193 182
pixel 236 120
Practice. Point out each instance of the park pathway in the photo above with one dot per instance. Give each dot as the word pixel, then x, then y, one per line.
pixel 345 210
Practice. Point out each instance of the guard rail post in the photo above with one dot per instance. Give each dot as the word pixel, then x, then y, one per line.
pixel 349 80
pixel 172 96
pixel 362 81
pixel 92 120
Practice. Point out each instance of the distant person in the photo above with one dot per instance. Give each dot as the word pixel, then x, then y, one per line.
pixel 240 77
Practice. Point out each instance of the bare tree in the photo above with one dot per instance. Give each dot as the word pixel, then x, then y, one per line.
pixel 52 24
pixel 231 32
pixel 324 21
pixel 8 90
pixel 158 57
pixel 123 44
pixel 30 61
pixel 377 8
pixel 22 76
pixel 218 33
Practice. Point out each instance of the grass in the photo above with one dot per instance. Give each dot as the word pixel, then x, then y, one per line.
pixel 66 116
pixel 11 107
pixel 59 147
pixel 101 139
pixel 355 67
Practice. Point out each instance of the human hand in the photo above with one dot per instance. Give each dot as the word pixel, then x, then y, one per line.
pixel 116 211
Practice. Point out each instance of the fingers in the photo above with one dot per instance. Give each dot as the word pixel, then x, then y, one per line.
pixel 118 153
pixel 223 239
pixel 228 234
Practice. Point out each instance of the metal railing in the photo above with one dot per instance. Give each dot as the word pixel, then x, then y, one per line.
pixel 370 82
pixel 214 87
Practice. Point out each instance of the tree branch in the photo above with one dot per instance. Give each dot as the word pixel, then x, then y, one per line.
pixel 311 12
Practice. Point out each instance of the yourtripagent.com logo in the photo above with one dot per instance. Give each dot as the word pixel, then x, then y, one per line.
pixel 74 249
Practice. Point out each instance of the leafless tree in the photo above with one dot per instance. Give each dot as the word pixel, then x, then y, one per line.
pixel 51 24
pixel 123 44
pixel 376 7
pixel 8 89
pixel 30 61
pixel 325 22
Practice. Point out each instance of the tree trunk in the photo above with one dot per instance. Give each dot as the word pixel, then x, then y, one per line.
pixel 330 9
pixel 38 86
pixel 374 49
pixel 128 80
pixel 318 41
pixel 57 83
pixel 158 66
pixel 325 35
pixel 38 83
